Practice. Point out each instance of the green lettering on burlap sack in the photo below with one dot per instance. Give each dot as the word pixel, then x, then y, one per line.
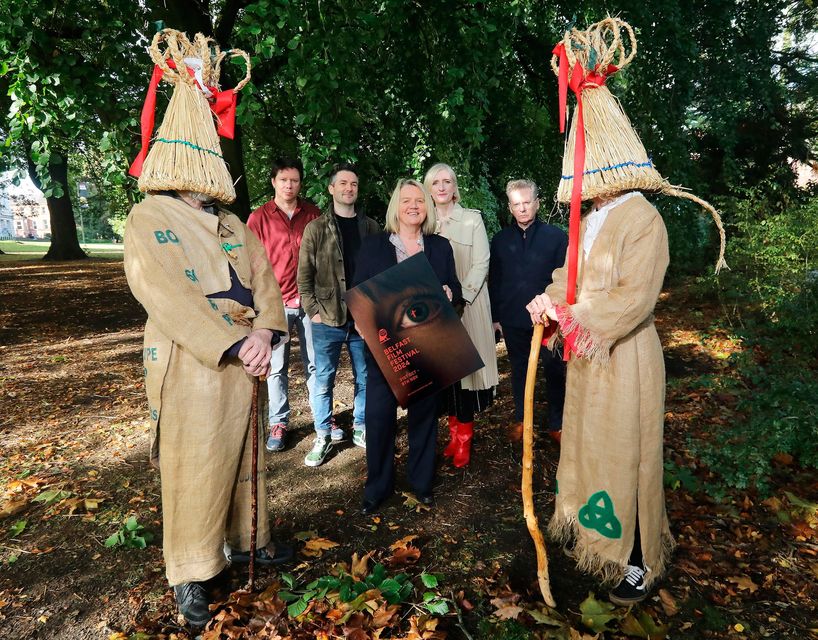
pixel 191 273
pixel 598 515
pixel 163 237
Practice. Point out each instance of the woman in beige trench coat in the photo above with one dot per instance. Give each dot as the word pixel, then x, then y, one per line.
pixel 465 231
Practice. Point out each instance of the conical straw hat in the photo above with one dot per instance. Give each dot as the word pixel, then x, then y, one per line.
pixel 186 155
pixel 615 158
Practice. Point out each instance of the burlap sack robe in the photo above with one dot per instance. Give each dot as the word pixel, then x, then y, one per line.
pixel 199 404
pixel 611 454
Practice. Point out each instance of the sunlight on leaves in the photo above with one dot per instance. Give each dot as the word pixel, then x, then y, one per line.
pixel 597 614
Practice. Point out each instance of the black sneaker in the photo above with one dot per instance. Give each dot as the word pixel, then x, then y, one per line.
pixel 632 588
pixel 193 602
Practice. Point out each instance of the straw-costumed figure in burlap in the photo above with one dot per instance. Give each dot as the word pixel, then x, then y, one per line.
pixel 610 501
pixel 186 155
pixel 614 158
pixel 215 312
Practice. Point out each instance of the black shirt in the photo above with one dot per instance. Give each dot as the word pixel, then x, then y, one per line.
pixel 350 243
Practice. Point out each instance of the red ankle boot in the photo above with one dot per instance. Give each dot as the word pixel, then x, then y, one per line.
pixel 452 446
pixel 462 453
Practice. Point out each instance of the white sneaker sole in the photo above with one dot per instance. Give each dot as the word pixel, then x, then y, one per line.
pixel 623 602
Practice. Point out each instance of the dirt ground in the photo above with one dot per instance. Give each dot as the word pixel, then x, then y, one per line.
pixel 74 468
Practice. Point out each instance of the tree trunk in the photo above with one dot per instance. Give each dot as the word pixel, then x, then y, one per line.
pixel 64 242
pixel 232 151
pixel 192 16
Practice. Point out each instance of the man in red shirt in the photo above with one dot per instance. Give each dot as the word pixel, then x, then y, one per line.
pixel 279 224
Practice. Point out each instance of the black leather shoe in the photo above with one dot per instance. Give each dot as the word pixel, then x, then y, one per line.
pixel 427 500
pixel 283 553
pixel 193 602
pixel 370 507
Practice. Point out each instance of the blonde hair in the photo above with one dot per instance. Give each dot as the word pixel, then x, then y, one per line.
pixel 519 185
pixel 392 221
pixel 433 171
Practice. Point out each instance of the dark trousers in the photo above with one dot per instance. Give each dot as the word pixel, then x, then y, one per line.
pixel 464 403
pixel 518 344
pixel 381 428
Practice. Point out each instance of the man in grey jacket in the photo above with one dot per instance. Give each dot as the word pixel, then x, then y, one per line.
pixel 326 264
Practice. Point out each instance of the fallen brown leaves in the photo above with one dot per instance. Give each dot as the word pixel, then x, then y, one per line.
pixel 74 421
pixel 403 553
pixel 315 547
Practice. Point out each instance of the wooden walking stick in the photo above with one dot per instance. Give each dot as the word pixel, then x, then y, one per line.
pixel 528 466
pixel 254 485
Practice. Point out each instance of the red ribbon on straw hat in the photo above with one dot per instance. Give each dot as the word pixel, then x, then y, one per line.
pixel 578 81
pixel 222 104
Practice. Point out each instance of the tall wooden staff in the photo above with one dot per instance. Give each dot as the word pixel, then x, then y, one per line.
pixel 528 467
pixel 254 485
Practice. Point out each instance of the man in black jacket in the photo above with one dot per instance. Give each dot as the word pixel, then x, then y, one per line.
pixel 523 257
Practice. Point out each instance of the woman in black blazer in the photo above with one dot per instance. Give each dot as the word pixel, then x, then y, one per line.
pixel 410 227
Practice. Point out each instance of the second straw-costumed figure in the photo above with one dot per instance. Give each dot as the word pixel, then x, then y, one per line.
pixel 610 508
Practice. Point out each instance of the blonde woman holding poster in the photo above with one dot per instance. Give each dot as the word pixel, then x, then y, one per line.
pixel 410 223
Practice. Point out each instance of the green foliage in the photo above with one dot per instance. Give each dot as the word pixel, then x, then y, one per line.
pixel 597 614
pixel 641 625
pixel 396 86
pixel 394 589
pixel 397 589
pixel 52 496
pixel 131 535
pixel 17 528
pixel 779 412
pixel 490 629
pixel 677 477
pixel 771 301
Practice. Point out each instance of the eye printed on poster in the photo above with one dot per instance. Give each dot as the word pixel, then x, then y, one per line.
pixel 412 330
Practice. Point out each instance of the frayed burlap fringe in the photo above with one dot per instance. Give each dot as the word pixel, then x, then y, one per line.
pixel 587 346
pixel 610 573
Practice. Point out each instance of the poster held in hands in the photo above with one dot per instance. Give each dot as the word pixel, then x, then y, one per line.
pixel 412 330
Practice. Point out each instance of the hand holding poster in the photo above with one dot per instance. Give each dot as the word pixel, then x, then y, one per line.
pixel 412 330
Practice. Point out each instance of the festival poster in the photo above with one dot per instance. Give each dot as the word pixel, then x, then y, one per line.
pixel 412 330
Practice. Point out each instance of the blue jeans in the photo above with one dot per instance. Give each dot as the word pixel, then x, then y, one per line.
pixel 327 342
pixel 278 381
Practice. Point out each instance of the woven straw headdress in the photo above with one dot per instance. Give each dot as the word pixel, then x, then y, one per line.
pixel 608 155
pixel 185 155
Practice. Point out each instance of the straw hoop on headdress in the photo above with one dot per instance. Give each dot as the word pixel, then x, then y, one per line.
pixel 606 157
pixel 186 155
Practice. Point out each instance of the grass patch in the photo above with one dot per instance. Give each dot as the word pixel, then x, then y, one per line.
pixel 34 249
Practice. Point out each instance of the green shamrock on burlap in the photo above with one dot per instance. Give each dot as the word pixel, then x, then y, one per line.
pixel 598 514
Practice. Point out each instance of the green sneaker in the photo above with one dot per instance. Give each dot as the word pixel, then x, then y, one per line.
pixel 320 450
pixel 359 435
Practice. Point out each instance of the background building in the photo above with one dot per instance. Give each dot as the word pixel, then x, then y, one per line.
pixel 6 218
pixel 31 219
